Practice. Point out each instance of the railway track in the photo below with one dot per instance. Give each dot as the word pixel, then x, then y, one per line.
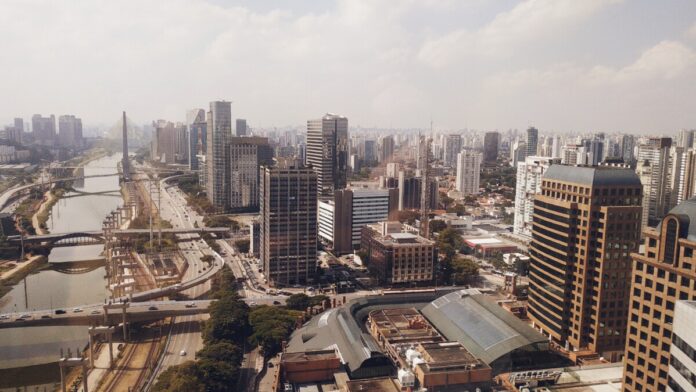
pixel 113 382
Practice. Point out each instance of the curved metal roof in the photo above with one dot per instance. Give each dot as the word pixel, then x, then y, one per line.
pixel 481 325
pixel 592 175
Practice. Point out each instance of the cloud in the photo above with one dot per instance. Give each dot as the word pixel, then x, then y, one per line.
pixel 526 22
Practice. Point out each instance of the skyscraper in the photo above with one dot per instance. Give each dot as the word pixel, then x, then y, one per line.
pixel 529 174
pixel 686 138
pixel 44 129
pixel 663 273
pixel 241 127
pixel 658 192
pixel 453 146
pixel 197 124
pixel 468 172
pixel 327 152
pixel 532 141
pixel 386 149
pixel 628 143
pixel 219 132
pixel 490 147
pixel 586 221
pixel 247 154
pixel 165 141
pixel 69 131
pixel 289 223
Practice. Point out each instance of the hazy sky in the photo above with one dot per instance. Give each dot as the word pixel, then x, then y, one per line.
pixel 566 65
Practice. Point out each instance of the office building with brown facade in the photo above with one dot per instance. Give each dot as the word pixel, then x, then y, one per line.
pixel 663 273
pixel 586 221
pixel 288 223
pixel 395 257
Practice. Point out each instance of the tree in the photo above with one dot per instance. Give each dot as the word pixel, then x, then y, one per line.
pixel 220 351
pixel 229 320
pixel 242 245
pixel 217 376
pixel 208 259
pixel 297 302
pixel 317 300
pixel 437 225
pixel 180 378
pixel 464 271
pixel 271 326
pixel 408 216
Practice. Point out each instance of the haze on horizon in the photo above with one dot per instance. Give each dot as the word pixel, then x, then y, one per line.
pixel 563 65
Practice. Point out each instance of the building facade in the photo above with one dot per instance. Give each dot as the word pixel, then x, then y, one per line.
pixel 490 147
pixel 197 125
pixel 341 219
pixel 327 152
pixel 682 363
pixel 529 174
pixel 586 221
pixel 241 127
pixel 44 129
pixel 247 155
pixel 398 258
pixel 532 141
pixel 219 132
pixel 453 146
pixel 468 172
pixel 664 272
pixel 70 131
pixel 658 192
pixel 289 224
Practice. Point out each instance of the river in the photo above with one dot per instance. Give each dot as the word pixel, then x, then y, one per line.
pixel 51 289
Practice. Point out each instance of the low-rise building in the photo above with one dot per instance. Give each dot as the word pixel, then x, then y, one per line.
pixel 398 257
pixel 309 366
pixel 489 247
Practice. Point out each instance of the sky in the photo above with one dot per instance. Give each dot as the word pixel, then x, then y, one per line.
pixel 561 65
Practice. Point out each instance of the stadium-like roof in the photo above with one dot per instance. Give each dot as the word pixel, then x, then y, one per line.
pixel 487 330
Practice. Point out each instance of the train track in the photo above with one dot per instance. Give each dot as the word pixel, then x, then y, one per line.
pixel 118 373
pixel 154 343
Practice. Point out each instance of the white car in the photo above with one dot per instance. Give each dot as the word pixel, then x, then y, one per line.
pixel 182 353
pixel 77 310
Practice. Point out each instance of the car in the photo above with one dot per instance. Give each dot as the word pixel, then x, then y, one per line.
pixel 270 364
pixel 191 305
pixel 152 308
pixel 276 302
pixel 288 387
pixel 182 353
pixel 46 316
pixel 95 312
pixel 77 310
pixel 60 311
pixel 25 316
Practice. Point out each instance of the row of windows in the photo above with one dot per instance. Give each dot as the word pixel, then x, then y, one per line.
pixel 683 370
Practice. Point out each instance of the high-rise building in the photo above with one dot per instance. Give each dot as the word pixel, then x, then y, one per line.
pixel 556 150
pixel 682 363
pixel 219 132
pixel 15 133
pixel 490 147
pixel 289 223
pixel 44 129
pixel 658 193
pixel 532 141
pixel 393 169
pixel 327 152
pixel 181 149
pixel 368 151
pixel 591 152
pixel 468 172
pixel 386 149
pixel 197 124
pixel 247 155
pixel 453 146
pixel 165 141
pixel 410 192
pixel 342 218
pixel 586 221
pixel 686 138
pixel 241 127
pixel 664 272
pixel 628 144
pixel 69 131
pixel 518 152
pixel 529 174
pixel 678 169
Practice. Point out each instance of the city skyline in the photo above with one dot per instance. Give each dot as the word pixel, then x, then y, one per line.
pixel 552 59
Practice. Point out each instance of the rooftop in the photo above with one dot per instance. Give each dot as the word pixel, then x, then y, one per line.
pixel 686 211
pixel 481 325
pixel 309 356
pixel 592 175
pixel 385 384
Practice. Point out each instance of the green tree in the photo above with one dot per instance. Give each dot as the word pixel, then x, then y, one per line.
pixel 181 378
pixel 217 376
pixel 271 326
pixel 317 300
pixel 464 271
pixel 242 245
pixel 437 225
pixel 297 302
pixel 408 216
pixel 229 320
pixel 220 351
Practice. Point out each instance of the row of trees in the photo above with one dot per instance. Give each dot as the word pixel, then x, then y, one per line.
pixel 232 326
pixel 454 268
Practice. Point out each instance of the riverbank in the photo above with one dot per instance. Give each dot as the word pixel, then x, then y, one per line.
pixel 15 275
